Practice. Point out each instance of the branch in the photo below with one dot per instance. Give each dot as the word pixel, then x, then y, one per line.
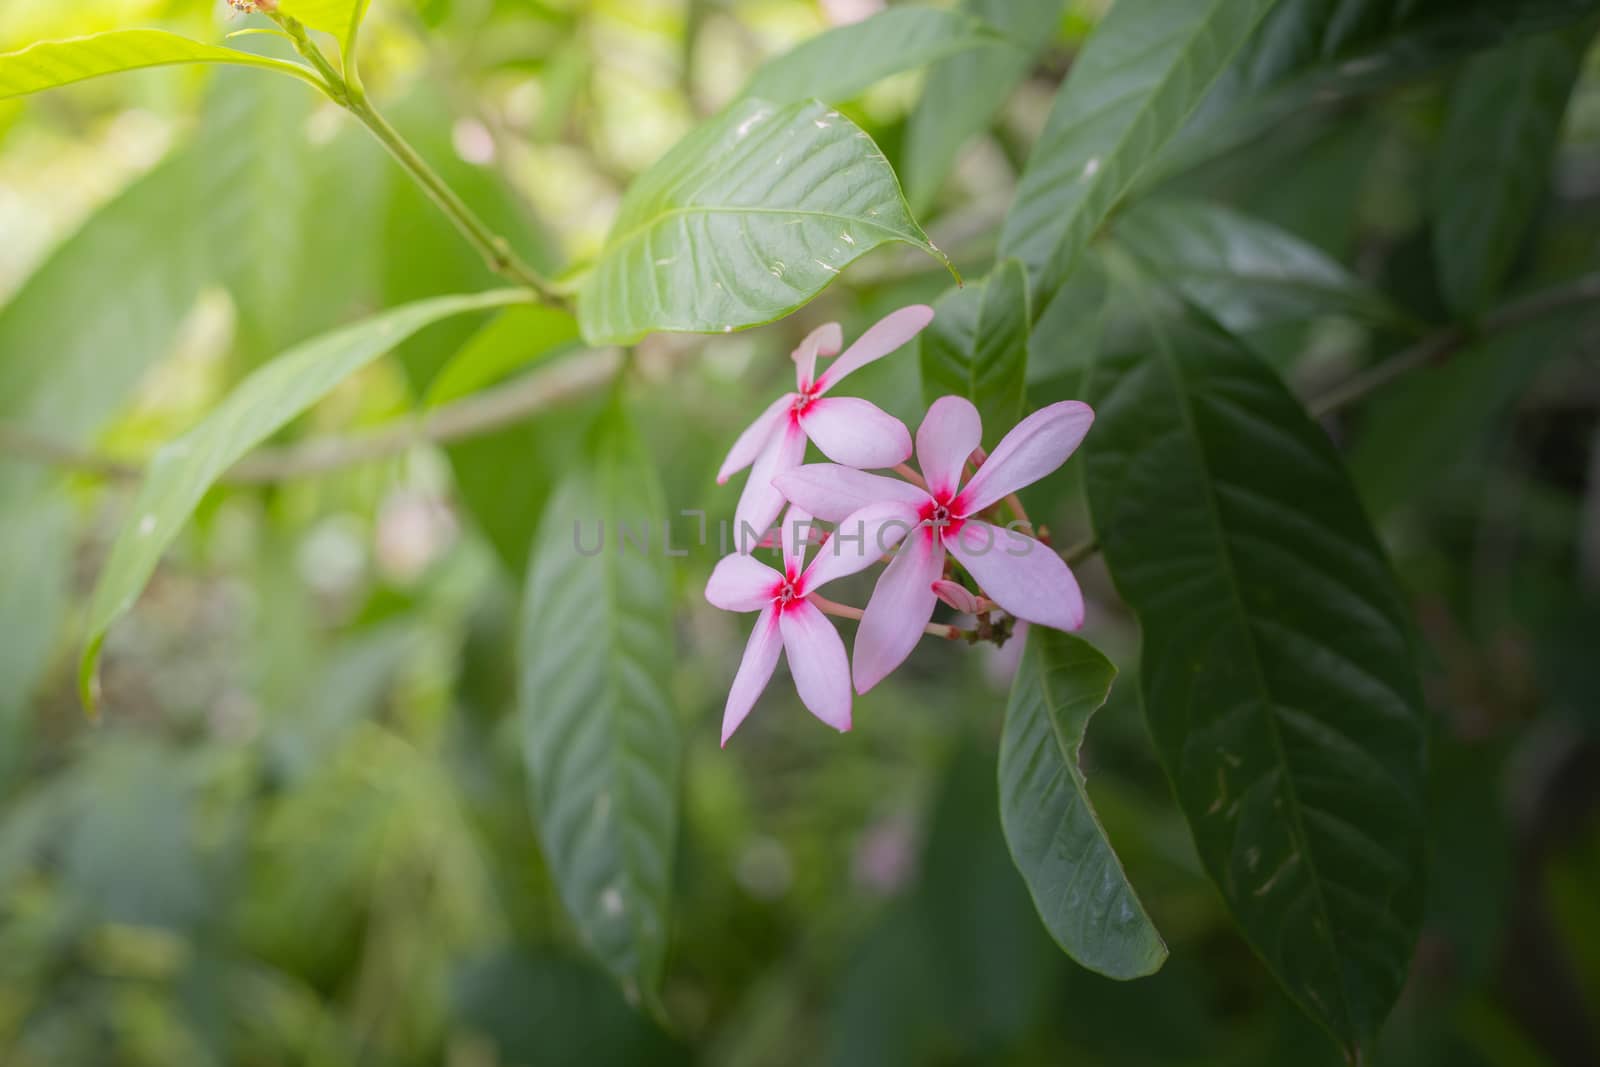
pixel 346 91
pixel 481 413
pixel 1442 344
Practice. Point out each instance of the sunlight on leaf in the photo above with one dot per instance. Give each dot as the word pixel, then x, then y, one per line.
pixel 49 64
pixel 747 219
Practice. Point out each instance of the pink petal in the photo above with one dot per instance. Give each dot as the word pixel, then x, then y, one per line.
pixel 1036 446
pixel 760 502
pixel 855 432
pixel 755 670
pixel 755 438
pixel 823 341
pixel 862 538
pixel 1020 574
pixel 900 607
pixel 832 492
pixel 739 583
pixel 888 334
pixel 947 436
pixel 818 663
pixel 799 529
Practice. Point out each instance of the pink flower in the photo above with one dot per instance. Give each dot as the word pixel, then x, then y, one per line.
pixel 790 621
pixel 848 430
pixel 1024 577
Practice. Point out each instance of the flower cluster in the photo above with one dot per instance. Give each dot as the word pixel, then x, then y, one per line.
pixel 925 523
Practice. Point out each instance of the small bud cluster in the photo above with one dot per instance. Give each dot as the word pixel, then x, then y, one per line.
pixel 250 7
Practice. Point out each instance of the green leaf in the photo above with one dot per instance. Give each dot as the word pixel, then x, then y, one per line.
pixel 1314 53
pixel 1068 332
pixel 965 91
pixel 1246 273
pixel 541 1007
pixel 1138 77
pixel 49 64
pixel 1077 882
pixel 515 339
pixel 183 470
pixel 258 232
pixel 744 221
pixel 1502 128
pixel 601 740
pixel 1277 671
pixel 977 347
pixel 342 18
pixel 837 65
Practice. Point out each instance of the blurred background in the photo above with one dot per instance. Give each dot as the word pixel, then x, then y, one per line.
pixel 300 833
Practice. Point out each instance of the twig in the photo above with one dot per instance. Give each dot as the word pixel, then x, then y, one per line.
pixel 1441 345
pixel 346 91
pixel 481 413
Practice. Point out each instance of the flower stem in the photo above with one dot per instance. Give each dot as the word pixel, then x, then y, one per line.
pixel 349 94
pixel 905 471
pixel 845 611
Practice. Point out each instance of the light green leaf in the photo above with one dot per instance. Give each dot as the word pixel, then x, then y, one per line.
pixel 1502 127
pixel 744 221
pixel 258 229
pixel 601 740
pixel 837 65
pixel 49 64
pixel 1077 882
pixel 183 470
pixel 342 18
pixel 977 347
pixel 1139 76
pixel 965 91
pixel 1246 273
pixel 515 339
pixel 1277 672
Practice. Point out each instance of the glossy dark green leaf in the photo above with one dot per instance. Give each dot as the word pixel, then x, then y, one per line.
pixel 1502 127
pixel 964 92
pixel 185 469
pixel 745 220
pixel 600 737
pixel 49 64
pixel 1068 331
pixel 835 66
pixel 1247 274
pixel 1078 885
pixel 977 347
pixel 1136 81
pixel 1277 671
pixel 1317 52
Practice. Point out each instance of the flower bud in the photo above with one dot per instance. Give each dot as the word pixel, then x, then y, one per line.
pixel 956 595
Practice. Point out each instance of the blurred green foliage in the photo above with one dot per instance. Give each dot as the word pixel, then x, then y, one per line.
pixel 301 832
